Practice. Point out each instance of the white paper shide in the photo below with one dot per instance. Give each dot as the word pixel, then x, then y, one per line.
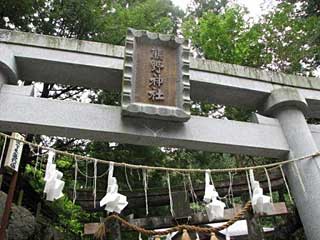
pixel 54 185
pixel 13 158
pixel 113 201
pixel 214 207
pixel 261 204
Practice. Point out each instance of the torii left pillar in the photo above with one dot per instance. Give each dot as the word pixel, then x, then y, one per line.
pixel 7 73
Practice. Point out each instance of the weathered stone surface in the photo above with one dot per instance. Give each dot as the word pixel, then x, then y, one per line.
pixel 22 222
pixel 101 122
pixel 285 98
pixel 46 232
pixel 73 62
pixel 156 77
pixel 31 39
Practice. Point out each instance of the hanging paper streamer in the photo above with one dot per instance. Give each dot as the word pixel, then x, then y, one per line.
pixel 269 184
pixel 75 180
pixel 127 179
pixel 260 203
pixel 170 195
pixel 249 185
pixel 299 176
pixel 230 191
pixel 192 192
pixel 113 201
pixel 210 191
pixel 145 184
pixel 215 207
pixel 54 185
pixel 186 195
pixel 86 183
pixel 286 183
pixel 94 183
pixel 37 161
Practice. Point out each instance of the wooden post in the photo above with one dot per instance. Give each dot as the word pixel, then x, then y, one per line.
pixel 1 179
pixel 7 209
pixel 181 208
pixel 20 198
pixel 255 232
pixel 10 196
pixel 115 230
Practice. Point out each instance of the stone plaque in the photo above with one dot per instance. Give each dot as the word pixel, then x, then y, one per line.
pixel 156 76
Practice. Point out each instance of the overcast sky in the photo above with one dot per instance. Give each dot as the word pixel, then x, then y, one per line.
pixel 254 6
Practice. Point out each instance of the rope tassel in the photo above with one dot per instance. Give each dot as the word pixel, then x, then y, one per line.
pixel 181 228
pixel 185 235
pixel 101 232
pixel 213 237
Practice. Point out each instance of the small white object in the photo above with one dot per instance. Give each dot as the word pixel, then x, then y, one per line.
pixel 113 201
pixel 51 156
pixel 197 236
pixel 215 207
pixel 13 158
pixel 169 236
pixel 261 204
pixel 54 185
pixel 227 234
pixel 210 191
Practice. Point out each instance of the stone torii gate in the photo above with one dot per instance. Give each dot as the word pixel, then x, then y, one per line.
pixel 284 100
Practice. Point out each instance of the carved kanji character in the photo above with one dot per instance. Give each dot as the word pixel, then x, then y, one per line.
pixel 155 81
pixel 156 95
pixel 156 66
pixel 156 54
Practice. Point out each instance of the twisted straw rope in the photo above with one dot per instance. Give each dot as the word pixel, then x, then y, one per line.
pixel 180 228
pixel 184 170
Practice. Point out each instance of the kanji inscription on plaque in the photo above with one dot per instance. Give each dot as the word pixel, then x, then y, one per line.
pixel 156 77
pixel 155 82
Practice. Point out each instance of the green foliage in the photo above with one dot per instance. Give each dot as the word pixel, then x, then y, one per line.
pixel 71 217
pixel 292 39
pixel 226 37
pixel 105 21
pixel 198 7
pixel 153 15
pixel 283 40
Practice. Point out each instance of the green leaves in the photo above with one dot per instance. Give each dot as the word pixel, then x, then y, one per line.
pixel 226 37
pixel 285 39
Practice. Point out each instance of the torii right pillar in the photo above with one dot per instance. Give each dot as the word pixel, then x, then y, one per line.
pixel 289 107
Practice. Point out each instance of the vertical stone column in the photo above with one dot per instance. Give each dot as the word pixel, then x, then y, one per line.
pixel 289 107
pixel 8 67
pixel 3 78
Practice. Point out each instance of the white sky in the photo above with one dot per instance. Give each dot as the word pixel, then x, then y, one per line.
pixel 255 7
